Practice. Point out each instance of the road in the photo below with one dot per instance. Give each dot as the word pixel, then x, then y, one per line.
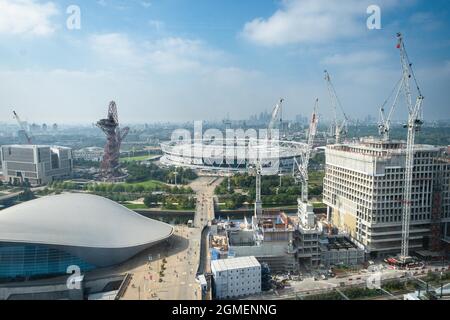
pixel 180 258
pixel 204 188
pixel 310 286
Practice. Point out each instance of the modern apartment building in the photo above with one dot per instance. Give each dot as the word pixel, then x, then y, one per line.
pixel 236 277
pixel 35 164
pixel 363 190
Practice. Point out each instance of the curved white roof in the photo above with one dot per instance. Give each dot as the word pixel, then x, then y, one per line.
pixel 79 220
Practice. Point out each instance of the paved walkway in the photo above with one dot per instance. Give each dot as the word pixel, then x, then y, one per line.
pixel 179 259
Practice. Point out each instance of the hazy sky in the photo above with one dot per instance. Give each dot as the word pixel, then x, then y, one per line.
pixel 203 59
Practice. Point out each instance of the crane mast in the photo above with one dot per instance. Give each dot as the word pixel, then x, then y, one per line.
pixel 303 166
pixel 22 127
pixel 339 127
pixel 384 126
pixel 276 117
pixel 413 125
pixel 258 201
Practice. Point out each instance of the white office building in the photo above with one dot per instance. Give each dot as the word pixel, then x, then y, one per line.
pixel 236 277
pixel 363 190
pixel 35 164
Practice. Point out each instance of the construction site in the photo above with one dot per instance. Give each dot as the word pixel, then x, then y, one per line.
pixel 386 199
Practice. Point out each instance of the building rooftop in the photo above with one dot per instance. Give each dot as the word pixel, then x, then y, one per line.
pixel 378 148
pixel 79 220
pixel 29 146
pixel 234 263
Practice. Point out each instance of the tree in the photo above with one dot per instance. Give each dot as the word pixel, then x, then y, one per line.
pixel 118 188
pixel 151 201
pixel 26 195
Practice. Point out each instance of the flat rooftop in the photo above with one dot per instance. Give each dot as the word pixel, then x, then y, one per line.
pixel 234 263
pixel 340 243
pixel 371 145
pixel 31 146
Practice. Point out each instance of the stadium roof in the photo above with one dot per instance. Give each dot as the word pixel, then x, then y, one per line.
pixel 79 220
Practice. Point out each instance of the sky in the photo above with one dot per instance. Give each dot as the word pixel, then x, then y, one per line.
pixel 185 60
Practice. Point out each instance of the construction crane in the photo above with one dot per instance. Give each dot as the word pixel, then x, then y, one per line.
pixel 256 169
pixel 277 117
pixel 340 128
pixel 384 125
pixel 413 125
pixel 302 173
pixel 22 127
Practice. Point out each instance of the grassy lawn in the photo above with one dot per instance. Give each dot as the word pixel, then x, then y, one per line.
pixel 316 178
pixel 149 184
pixel 135 206
pixel 319 205
pixel 137 158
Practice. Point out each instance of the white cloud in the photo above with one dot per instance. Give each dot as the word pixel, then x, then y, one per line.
pixel 311 21
pixel 165 55
pixel 158 25
pixel 116 48
pixel 175 54
pixel 27 17
pixel 146 4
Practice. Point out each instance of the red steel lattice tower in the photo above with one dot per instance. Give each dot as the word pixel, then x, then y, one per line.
pixel 114 137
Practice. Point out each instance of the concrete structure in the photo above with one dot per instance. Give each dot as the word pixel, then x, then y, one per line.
pixel 269 238
pixel 335 250
pixel 363 189
pixel 307 236
pixel 42 237
pixel 89 154
pixel 56 288
pixel 236 277
pixel 35 164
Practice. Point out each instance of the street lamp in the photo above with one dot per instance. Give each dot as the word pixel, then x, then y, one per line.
pixel 175 174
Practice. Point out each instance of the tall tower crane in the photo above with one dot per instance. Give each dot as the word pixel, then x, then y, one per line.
pixel 413 125
pixel 22 127
pixel 384 125
pixel 302 167
pixel 258 201
pixel 340 128
pixel 277 118
pixel 305 209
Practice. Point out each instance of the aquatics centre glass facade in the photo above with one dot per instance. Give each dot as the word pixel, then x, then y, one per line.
pixel 18 261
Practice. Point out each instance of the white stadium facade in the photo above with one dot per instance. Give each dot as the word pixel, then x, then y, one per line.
pixel 233 155
pixel 43 237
